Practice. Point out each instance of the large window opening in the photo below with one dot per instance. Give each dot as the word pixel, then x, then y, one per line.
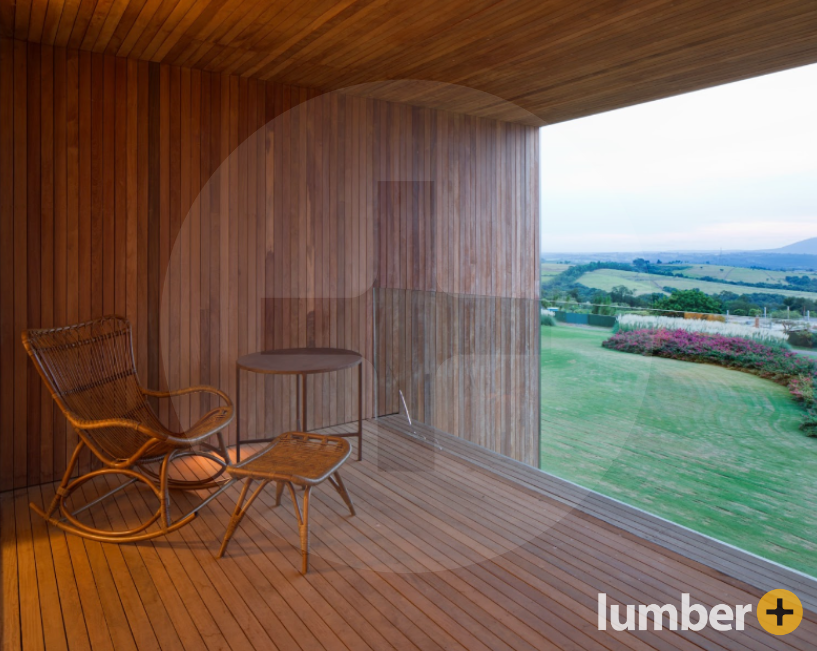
pixel 679 310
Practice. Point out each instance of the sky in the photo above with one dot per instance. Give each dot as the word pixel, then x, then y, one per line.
pixel 732 167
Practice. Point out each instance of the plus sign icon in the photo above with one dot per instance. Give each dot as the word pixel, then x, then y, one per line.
pixel 779 612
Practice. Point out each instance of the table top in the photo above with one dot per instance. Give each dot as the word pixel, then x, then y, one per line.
pixel 297 361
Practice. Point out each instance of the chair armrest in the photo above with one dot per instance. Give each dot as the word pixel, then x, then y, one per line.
pixel 182 392
pixel 81 423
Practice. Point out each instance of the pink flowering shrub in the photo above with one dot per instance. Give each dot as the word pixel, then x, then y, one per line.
pixel 780 365
pixel 802 389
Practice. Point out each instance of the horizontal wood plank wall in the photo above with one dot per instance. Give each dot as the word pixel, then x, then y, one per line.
pixel 224 216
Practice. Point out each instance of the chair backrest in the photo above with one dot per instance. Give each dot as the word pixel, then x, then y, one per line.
pixel 91 373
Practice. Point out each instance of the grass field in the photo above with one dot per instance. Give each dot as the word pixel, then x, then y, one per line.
pixel 640 283
pixel 741 274
pixel 716 450
pixel 549 270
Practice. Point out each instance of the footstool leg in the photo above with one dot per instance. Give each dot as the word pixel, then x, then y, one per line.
pixel 337 483
pixel 303 523
pixel 239 513
pixel 304 530
pixel 279 488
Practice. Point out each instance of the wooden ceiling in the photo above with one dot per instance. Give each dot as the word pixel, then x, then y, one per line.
pixel 556 59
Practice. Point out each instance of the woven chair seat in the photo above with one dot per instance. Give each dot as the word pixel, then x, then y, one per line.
pixel 303 459
pixel 213 420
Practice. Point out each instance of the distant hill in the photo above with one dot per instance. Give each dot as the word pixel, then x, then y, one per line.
pixel 798 256
pixel 764 259
pixel 807 247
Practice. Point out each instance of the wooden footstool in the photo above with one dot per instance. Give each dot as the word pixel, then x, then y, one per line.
pixel 293 459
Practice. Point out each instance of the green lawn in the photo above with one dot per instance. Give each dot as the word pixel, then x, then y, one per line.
pixel 716 450
pixel 606 279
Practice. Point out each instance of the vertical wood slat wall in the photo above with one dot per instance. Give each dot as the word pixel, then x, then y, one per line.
pixel 456 299
pixel 221 221
pixel 466 364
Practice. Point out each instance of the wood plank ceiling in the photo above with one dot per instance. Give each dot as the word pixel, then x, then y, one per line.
pixel 557 59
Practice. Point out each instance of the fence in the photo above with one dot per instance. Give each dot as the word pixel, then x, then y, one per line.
pixel 803 321
pixel 802 332
pixel 599 320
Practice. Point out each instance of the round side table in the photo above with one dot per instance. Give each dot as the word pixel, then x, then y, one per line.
pixel 300 362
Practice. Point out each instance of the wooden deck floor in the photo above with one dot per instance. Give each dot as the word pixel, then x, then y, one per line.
pixel 452 548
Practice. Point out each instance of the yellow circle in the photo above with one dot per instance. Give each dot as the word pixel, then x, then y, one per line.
pixel 779 612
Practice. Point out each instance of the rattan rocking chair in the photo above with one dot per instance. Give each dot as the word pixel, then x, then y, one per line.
pixel 91 373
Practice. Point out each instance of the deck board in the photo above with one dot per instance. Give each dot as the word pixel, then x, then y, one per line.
pixel 453 547
pixel 736 563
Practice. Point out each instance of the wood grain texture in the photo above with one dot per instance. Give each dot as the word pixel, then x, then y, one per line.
pixel 225 216
pixel 455 320
pixel 550 61
pixel 453 547
pixel 466 364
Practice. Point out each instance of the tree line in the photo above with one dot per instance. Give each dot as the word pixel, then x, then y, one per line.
pixel 565 286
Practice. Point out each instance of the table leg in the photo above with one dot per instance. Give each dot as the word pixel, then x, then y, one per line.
pixel 303 402
pixel 360 412
pixel 298 403
pixel 237 414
